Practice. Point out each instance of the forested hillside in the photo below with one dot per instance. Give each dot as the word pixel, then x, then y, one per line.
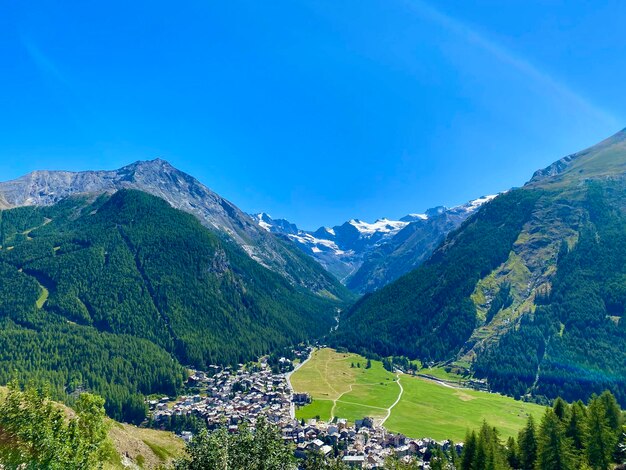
pixel 530 292
pixel 114 294
pixel 428 313
pixel 184 192
pixel 575 342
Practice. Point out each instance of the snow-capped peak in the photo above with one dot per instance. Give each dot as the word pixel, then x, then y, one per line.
pixel 414 217
pixel 383 225
pixel 264 220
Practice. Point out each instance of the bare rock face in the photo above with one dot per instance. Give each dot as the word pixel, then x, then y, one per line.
pixel 555 169
pixel 156 177
pixel 181 191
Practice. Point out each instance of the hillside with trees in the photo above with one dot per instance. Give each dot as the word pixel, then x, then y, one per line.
pixel 116 293
pixel 428 313
pixel 528 293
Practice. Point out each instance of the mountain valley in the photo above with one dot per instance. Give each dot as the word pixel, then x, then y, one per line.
pixel 116 293
pixel 125 282
pixel 368 256
pixel 527 293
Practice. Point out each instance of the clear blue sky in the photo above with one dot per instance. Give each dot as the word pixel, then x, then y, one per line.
pixel 317 111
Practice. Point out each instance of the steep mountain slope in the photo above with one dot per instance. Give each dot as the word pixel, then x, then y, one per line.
pixel 115 292
pixel 529 289
pixel 428 312
pixel 368 256
pixel 605 160
pixel 181 191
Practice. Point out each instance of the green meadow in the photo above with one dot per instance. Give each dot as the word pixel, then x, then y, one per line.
pixel 425 408
pixel 340 390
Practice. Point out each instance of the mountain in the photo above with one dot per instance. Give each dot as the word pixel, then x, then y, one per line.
pixel 181 191
pixel 116 293
pixel 339 249
pixel 367 256
pixel 411 246
pixel 529 292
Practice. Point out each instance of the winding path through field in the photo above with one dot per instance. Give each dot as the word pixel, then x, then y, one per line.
pixel 395 402
pixel 332 410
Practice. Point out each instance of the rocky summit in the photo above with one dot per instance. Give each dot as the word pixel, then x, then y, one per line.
pixel 181 191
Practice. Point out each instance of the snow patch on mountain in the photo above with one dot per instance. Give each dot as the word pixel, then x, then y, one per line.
pixel 476 203
pixel 317 245
pixel 262 221
pixel 414 217
pixel 380 226
pixel 345 249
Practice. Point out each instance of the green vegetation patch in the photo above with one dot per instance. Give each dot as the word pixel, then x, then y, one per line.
pixel 342 386
pixel 43 297
pixel 425 409
pixel 428 409
pixel 318 409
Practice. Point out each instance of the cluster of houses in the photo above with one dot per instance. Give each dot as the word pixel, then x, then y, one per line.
pixel 229 397
pixel 360 445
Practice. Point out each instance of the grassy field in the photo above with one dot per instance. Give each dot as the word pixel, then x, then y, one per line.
pixel 425 409
pixel 340 390
pixel 43 297
pixel 432 410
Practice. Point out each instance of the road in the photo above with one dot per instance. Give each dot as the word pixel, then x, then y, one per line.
pixel 292 407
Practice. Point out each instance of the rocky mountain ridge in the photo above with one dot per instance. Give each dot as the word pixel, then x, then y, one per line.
pixel 366 256
pixel 181 191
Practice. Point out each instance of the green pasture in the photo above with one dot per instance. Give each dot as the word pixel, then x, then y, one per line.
pixel 425 409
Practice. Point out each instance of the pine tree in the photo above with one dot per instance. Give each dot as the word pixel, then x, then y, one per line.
pixel 612 411
pixel 600 439
pixel 560 408
pixel 575 426
pixel 554 449
pixel 512 454
pixel 490 454
pixel 438 461
pixel 480 457
pixel 454 456
pixel 469 451
pixel 527 445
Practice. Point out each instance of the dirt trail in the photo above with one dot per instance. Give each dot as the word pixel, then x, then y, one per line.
pixel 395 402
